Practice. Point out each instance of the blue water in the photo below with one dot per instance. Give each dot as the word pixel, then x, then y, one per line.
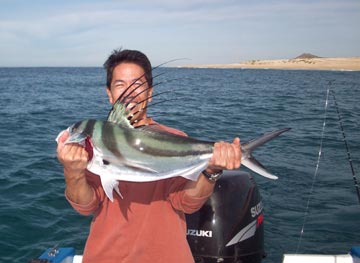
pixel 213 104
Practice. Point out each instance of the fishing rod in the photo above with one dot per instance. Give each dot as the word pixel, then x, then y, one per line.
pixel 346 144
pixel 319 157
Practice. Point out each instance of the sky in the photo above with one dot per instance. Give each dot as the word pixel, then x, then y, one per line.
pixel 84 33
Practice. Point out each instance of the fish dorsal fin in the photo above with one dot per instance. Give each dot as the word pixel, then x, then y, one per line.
pixel 119 114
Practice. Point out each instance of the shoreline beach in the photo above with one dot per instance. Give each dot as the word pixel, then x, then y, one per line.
pixel 346 64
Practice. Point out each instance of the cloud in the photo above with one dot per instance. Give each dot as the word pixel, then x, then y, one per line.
pixel 142 14
pixel 198 28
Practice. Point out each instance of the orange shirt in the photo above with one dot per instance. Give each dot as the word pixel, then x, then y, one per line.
pixel 148 225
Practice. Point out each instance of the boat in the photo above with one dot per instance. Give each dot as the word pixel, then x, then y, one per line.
pixel 229 228
pixel 317 258
pixel 352 257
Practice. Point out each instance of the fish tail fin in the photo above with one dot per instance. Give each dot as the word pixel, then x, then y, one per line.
pixel 250 162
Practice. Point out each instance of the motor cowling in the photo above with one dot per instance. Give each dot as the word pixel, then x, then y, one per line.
pixel 229 227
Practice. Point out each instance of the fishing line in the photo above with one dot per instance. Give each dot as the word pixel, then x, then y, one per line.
pixel 147 106
pixel 316 170
pixel 346 145
pixel 320 154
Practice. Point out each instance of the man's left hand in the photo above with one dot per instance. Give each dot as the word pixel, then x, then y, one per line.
pixel 226 156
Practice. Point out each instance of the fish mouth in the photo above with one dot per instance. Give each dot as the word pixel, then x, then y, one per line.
pixel 76 138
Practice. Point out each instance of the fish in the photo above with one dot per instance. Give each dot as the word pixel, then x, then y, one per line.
pixel 120 152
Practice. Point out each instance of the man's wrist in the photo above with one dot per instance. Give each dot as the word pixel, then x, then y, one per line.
pixel 212 175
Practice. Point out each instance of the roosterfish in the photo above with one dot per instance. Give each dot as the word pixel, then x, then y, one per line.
pixel 120 152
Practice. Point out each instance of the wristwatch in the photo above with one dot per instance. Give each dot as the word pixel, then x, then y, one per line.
pixel 213 177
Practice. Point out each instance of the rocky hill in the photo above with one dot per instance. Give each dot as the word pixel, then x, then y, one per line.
pixel 306 56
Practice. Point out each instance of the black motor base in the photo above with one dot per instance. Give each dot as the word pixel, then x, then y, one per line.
pixel 229 227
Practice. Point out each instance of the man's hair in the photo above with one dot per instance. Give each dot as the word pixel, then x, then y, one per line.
pixel 127 56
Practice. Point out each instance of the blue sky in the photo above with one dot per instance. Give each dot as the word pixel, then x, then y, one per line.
pixel 83 33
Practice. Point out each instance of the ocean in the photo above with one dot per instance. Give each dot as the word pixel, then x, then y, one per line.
pixel 212 104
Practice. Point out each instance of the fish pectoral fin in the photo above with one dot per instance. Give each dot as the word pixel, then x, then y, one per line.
pixel 109 184
pixel 257 167
pixel 139 167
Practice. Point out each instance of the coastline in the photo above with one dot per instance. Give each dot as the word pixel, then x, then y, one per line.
pixel 345 64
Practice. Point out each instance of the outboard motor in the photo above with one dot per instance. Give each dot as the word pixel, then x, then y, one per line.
pixel 229 227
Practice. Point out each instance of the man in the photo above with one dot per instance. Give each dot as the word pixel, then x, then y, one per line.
pixel 148 224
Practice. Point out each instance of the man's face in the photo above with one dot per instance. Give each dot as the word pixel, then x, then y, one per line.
pixel 125 75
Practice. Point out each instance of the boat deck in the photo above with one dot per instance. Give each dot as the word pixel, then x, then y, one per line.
pixel 309 258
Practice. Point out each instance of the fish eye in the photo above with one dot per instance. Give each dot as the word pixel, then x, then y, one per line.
pixel 73 128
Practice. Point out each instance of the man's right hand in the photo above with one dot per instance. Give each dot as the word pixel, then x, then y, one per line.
pixel 74 158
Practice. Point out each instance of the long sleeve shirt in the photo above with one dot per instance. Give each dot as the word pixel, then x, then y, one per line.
pixel 148 225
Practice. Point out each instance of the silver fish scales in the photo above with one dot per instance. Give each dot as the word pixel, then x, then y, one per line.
pixel 120 152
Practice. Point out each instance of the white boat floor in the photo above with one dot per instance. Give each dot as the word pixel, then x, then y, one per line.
pixel 292 258
pixel 77 259
pixel 311 258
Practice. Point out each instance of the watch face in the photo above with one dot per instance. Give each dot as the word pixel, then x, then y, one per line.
pixel 216 176
pixel 212 177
